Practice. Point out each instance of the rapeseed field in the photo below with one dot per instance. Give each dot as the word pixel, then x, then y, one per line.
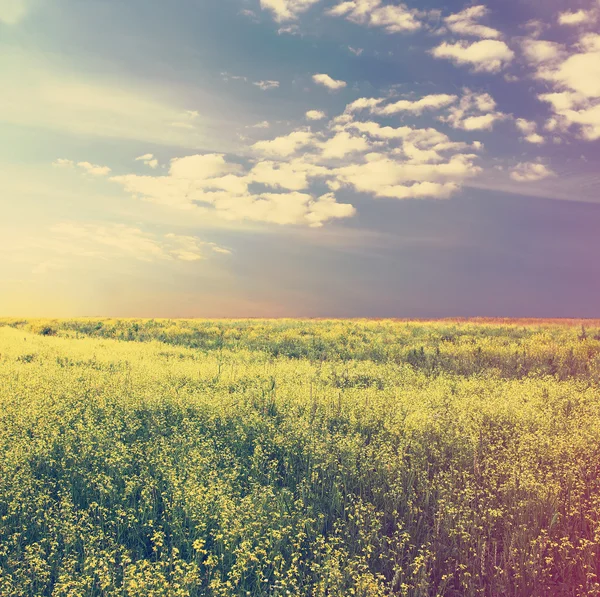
pixel 155 458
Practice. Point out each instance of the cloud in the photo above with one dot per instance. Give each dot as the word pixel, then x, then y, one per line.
pixel 429 102
pixel 475 112
pixel 342 145
pixel 363 103
pixel 382 176
pixel 286 10
pixel 63 163
pixel 291 175
pixel 94 169
pixel 530 172
pixel 355 51
pixel 13 11
pixel 529 130
pixel 266 85
pixel 123 241
pixel 210 184
pixel 315 115
pixel 202 167
pixel 576 17
pixel 87 167
pixel 487 55
pixel 575 78
pixel 149 160
pixel 465 23
pixel 539 51
pixel 393 18
pixel 327 81
pixel 286 145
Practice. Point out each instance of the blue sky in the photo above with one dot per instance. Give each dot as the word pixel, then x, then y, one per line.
pixel 299 158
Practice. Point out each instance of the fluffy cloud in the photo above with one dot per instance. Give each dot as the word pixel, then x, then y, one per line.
pixel 475 112
pixel 315 115
pixel 343 144
pixel 529 130
pixel 465 23
pixel 575 17
pixel 292 175
pixel 539 51
pixel 327 81
pixel 286 10
pixel 530 172
pixel 382 176
pixel 285 145
pixel 393 18
pixel 149 160
pixel 201 167
pixel 209 182
pixel 575 78
pixel 487 55
pixel 363 103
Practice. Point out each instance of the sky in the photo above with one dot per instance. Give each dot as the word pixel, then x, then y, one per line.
pixel 299 158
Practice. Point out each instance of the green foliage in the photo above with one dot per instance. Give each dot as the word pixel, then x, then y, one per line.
pixel 303 458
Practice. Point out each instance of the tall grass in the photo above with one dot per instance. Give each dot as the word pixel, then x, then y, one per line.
pixel 310 458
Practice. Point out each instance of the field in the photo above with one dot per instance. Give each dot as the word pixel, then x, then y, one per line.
pixel 299 458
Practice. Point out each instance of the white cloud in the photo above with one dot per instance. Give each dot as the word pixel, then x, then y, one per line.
pixel 393 18
pixel 291 175
pixel 465 23
pixel 87 167
pixel 210 184
pixel 286 145
pixel 356 51
pixel 529 130
pixel 315 115
pixel 575 78
pixel 149 160
pixel 327 81
pixel 429 102
pixel 579 72
pixel 385 177
pixel 94 169
pixel 475 112
pixel 63 163
pixel 286 10
pixel 539 51
pixel 575 17
pixel 363 103
pixel 13 11
pixel 530 172
pixel 488 55
pixel 343 144
pixel 266 85
pixel 202 167
pixel 261 125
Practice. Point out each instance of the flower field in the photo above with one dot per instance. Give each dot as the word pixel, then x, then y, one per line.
pixel 299 458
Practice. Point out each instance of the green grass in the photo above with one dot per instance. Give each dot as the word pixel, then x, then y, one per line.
pixel 309 458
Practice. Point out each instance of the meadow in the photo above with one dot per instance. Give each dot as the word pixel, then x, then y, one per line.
pixel 299 458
